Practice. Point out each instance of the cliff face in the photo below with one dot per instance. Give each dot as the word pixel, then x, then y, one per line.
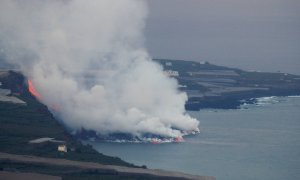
pixel 211 86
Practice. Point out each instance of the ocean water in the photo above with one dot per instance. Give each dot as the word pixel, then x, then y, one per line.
pixel 259 141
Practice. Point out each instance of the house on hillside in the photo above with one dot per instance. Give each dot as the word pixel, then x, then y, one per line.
pixel 62 148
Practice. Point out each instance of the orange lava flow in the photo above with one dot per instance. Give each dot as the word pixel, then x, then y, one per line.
pixel 33 91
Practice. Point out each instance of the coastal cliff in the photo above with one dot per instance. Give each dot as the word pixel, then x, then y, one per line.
pixel 211 86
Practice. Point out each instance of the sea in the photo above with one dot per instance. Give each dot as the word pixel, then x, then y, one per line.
pixel 256 142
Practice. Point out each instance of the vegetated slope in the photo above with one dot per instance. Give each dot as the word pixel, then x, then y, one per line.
pixel 211 86
pixel 20 123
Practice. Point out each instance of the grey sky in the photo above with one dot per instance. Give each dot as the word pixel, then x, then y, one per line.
pixel 250 34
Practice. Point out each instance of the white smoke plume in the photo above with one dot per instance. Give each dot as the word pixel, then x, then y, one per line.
pixel 87 60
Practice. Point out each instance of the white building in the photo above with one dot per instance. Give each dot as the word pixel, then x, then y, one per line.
pixel 168 63
pixel 62 148
pixel 171 73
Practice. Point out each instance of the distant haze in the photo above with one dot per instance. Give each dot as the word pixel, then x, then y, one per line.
pixel 250 34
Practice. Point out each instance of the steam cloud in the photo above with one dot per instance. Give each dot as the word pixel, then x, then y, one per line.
pixel 86 59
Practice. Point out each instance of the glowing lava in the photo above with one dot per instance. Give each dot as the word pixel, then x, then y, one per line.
pixel 33 91
pixel 179 139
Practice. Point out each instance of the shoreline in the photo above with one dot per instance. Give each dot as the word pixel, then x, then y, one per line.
pixel 234 103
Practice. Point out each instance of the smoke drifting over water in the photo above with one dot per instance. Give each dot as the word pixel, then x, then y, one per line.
pixel 86 59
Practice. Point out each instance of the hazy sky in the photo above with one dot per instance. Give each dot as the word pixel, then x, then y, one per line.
pixel 250 34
